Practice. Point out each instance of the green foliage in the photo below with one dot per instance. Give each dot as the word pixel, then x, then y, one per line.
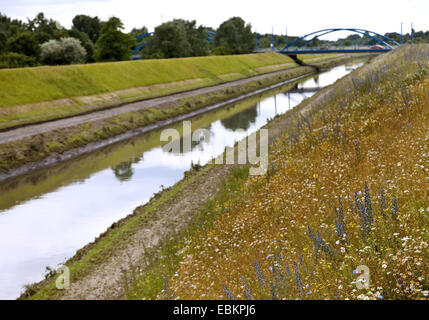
pixel 64 51
pixel 197 39
pixel 10 27
pixel 85 42
pixel 90 26
pixel 169 41
pixel 177 38
pixel 16 60
pixel 138 31
pixel 235 36
pixel 25 43
pixel 44 29
pixel 220 51
pixel 3 41
pixel 113 44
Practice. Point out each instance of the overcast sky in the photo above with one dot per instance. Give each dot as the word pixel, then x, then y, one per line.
pixel 300 17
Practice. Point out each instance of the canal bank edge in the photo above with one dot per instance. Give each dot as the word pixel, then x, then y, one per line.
pixel 47 149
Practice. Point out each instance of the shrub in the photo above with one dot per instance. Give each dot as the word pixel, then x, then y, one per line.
pixel 16 60
pixel 220 51
pixel 63 51
pixel 24 43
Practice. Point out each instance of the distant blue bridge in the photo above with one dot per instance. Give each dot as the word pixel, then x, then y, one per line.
pixel 142 45
pixel 299 46
pixel 384 44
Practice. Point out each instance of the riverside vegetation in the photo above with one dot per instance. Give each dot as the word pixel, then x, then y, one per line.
pixel 152 78
pixel 347 186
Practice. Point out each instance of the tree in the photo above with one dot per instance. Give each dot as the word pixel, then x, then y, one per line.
pixel 63 51
pixel 24 43
pixel 169 41
pixel 138 32
pixel 113 44
pixel 10 27
pixel 235 36
pixel 45 29
pixel 90 26
pixel 85 41
pixel 353 37
pixel 197 39
pixel 178 38
pixel 3 41
pixel 394 36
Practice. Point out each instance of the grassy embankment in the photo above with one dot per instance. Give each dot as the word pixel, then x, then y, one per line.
pixel 40 146
pixel 36 94
pixel 348 185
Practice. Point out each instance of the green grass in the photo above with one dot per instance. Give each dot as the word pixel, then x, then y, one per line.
pixel 30 95
pixel 32 85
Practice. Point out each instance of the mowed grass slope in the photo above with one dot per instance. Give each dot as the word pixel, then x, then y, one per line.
pixel 29 95
pixel 31 85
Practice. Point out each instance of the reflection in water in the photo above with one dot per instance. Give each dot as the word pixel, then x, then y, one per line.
pixel 316 79
pixel 195 138
pixel 46 217
pixel 124 171
pixel 242 120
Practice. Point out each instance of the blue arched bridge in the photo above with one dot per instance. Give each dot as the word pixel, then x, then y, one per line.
pixel 300 45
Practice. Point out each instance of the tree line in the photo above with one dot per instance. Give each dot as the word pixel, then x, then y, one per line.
pixel 44 41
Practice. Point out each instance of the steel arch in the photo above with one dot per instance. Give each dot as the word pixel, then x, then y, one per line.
pixel 364 32
pixel 142 45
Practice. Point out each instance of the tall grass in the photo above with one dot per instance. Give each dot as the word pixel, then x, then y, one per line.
pixel 348 187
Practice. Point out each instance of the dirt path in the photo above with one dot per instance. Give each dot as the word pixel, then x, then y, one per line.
pixel 31 130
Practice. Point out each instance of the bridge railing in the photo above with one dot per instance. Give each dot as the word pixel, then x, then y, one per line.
pixel 330 48
pixel 323 49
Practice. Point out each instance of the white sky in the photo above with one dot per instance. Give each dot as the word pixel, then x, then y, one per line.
pixel 300 17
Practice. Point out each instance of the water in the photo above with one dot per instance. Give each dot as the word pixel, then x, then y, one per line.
pixel 48 215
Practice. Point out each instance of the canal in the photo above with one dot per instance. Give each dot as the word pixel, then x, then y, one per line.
pixel 47 215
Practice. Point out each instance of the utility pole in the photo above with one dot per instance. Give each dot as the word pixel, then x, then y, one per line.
pixel 412 33
pixel 272 39
pixel 256 41
pixel 402 37
pixel 287 40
